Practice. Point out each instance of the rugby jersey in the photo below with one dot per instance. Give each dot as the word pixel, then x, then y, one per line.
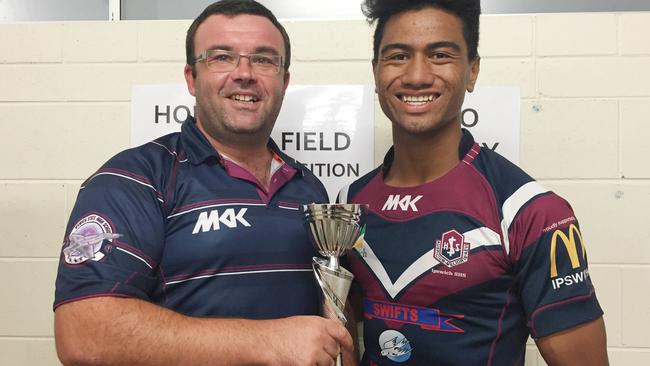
pixel 174 223
pixel 460 270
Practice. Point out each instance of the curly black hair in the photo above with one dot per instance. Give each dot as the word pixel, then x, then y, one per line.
pixel 468 11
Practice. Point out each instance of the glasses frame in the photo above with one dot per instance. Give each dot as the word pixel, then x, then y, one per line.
pixel 203 57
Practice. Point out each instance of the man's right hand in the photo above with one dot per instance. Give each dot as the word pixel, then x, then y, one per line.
pixel 307 340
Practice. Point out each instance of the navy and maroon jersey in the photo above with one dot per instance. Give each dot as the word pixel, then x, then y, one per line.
pixel 177 224
pixel 460 271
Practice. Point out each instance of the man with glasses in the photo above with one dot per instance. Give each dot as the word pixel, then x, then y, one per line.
pixel 464 254
pixel 191 250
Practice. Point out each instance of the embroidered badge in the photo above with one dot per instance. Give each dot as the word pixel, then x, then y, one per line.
pixel 86 238
pixel 451 250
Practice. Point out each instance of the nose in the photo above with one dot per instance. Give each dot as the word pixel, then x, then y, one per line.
pixel 418 72
pixel 243 71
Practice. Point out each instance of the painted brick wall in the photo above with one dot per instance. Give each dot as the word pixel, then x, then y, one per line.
pixel 585 85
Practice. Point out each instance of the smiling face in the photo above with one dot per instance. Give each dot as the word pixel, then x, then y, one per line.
pixel 423 71
pixel 238 105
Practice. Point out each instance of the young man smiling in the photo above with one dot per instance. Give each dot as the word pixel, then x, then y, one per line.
pixel 191 250
pixel 465 255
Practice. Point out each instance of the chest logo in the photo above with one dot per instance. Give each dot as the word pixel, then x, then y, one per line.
pixel 451 250
pixel 394 346
pixel 405 203
pixel 213 220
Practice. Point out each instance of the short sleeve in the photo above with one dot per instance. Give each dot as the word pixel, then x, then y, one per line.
pixel 551 269
pixel 114 238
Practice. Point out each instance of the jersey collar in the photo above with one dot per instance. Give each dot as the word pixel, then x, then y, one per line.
pixel 196 146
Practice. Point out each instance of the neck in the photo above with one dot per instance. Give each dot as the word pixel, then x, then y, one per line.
pixel 254 156
pixel 421 158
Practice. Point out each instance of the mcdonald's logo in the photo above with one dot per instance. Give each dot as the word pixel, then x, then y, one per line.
pixel 570 245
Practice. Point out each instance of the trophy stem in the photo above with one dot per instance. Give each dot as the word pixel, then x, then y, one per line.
pixel 334 285
pixel 333 263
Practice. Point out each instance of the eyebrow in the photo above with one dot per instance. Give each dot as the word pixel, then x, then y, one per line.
pixel 265 49
pixel 393 46
pixel 219 47
pixel 261 49
pixel 431 46
pixel 444 44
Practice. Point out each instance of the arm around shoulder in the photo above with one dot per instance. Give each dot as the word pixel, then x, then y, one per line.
pixel 585 344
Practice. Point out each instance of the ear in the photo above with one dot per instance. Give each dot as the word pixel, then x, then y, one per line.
pixel 287 76
pixel 475 67
pixel 374 73
pixel 189 79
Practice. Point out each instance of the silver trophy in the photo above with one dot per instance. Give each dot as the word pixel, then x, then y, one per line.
pixel 334 229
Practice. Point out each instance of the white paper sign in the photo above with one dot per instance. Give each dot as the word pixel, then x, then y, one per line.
pixel 329 128
pixel 157 110
pixel 491 113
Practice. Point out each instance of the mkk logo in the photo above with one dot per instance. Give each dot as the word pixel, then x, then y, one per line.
pixel 451 250
pixel 405 203
pixel 570 245
pixel 212 220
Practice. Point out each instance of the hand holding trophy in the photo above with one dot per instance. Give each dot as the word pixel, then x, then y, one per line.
pixel 334 229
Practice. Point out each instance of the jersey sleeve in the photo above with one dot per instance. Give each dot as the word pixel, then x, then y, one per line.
pixel 114 238
pixel 550 263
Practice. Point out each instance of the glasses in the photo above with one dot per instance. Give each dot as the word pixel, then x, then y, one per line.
pixel 226 61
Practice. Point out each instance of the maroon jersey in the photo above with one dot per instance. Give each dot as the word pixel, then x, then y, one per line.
pixel 461 270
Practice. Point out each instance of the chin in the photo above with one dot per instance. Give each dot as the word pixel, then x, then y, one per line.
pixel 427 126
pixel 251 129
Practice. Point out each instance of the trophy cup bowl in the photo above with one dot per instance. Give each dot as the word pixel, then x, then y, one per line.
pixel 333 228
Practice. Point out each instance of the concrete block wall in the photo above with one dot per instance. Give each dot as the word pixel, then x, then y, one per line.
pixel 585 86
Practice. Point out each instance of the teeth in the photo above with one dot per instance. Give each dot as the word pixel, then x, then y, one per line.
pixel 243 98
pixel 420 99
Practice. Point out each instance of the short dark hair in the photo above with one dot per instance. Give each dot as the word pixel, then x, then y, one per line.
pixel 468 11
pixel 233 8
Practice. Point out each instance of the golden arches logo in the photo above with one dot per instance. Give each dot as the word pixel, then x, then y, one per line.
pixel 570 245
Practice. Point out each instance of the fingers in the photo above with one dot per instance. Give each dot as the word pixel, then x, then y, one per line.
pixel 340 334
pixel 328 352
pixel 327 361
pixel 332 348
pixel 310 340
pixel 337 337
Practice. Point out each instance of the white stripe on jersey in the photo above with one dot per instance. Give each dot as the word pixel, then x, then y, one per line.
pixel 289 208
pixel 482 237
pixel 173 153
pixel 125 177
pixel 134 255
pixel 238 273
pixel 216 205
pixel 479 237
pixel 514 203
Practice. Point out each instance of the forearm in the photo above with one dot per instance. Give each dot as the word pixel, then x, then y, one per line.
pixel 117 331
pixel 585 344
